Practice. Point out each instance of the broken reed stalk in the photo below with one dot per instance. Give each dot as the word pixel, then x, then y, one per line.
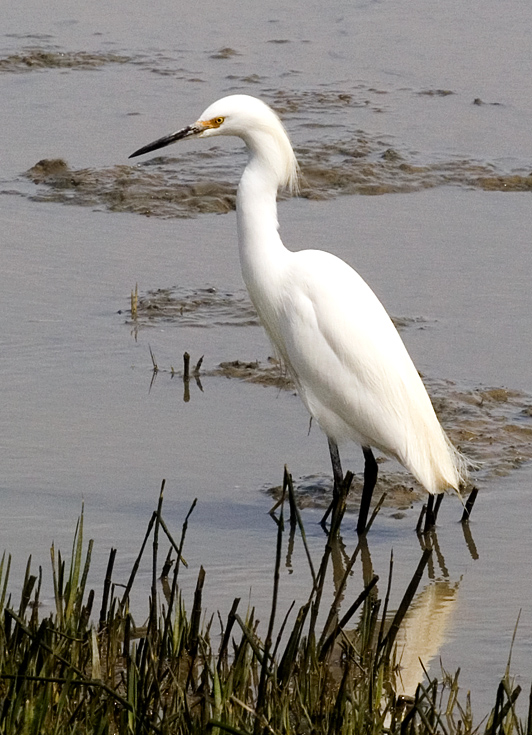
pixel 282 629
pixel 134 302
pixel 389 639
pixel 186 377
pixel 136 565
pixel 386 602
pixel 222 653
pixel 470 502
pixel 154 363
pixel 152 625
pixel 287 479
pixel 179 549
pixel 167 565
pixel 170 538
pixel 107 587
pixel 251 639
pixel 195 617
pixel 197 367
pixel 261 696
pixel 347 617
pixel 173 592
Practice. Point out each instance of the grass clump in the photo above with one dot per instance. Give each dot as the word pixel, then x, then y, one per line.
pixel 77 672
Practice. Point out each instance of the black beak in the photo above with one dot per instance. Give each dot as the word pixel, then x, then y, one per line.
pixel 168 139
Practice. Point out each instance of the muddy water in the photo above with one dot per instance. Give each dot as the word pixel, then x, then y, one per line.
pixel 415 106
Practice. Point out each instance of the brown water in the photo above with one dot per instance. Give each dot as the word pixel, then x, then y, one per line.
pixel 424 105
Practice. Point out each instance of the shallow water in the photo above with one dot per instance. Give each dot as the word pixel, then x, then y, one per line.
pixel 79 420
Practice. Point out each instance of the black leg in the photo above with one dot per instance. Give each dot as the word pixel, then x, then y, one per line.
pixel 371 469
pixel 433 506
pixel 439 498
pixel 338 476
pixel 470 502
pixel 336 464
pixel 430 520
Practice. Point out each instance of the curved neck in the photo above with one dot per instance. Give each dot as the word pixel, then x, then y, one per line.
pixel 261 249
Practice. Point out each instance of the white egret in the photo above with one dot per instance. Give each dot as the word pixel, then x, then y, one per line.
pixel 349 364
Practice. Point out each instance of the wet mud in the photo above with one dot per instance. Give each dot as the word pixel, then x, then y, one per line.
pixel 197 183
pixel 202 307
pixel 151 190
pixel 272 374
pixel 33 59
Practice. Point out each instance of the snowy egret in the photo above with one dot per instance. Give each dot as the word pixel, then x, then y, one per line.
pixel 349 364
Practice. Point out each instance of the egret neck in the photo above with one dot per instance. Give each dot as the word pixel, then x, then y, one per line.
pixel 263 257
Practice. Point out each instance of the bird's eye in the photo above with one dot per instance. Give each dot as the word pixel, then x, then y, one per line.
pixel 218 120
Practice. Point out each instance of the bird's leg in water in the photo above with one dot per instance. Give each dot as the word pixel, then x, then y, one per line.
pixel 371 469
pixel 338 476
pixel 439 498
pixel 433 506
pixel 336 465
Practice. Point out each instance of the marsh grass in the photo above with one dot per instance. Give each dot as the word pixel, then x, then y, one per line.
pixel 75 671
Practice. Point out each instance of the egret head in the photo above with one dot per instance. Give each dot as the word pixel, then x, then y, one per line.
pixel 250 119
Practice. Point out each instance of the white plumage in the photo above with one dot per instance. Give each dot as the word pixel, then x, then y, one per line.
pixel 347 359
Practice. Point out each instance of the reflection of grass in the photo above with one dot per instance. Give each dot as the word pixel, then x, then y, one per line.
pixel 68 673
